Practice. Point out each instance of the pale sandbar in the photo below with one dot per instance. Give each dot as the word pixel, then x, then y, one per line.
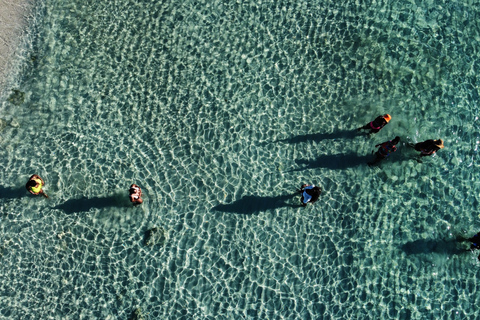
pixel 14 19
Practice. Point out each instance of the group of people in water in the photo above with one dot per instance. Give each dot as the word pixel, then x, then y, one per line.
pixel 35 186
pixel 309 192
pixel 426 148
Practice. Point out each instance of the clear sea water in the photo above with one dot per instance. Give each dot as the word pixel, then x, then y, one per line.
pixel 219 111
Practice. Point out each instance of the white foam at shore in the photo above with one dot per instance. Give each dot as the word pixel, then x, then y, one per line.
pixel 13 23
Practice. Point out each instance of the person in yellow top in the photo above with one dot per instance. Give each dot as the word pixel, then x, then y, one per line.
pixel 35 185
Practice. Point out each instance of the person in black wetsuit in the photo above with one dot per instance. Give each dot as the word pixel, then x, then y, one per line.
pixel 429 147
pixel 310 194
pixel 377 124
pixel 385 150
pixel 475 240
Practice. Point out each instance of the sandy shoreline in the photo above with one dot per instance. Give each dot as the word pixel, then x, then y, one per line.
pixel 13 25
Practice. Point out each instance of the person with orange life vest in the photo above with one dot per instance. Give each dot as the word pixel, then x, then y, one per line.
pixel 385 150
pixel 377 124
pixel 135 194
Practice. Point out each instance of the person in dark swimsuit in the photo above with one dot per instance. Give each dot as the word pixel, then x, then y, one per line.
pixel 385 150
pixel 377 124
pixel 310 194
pixel 475 240
pixel 429 147
pixel 135 194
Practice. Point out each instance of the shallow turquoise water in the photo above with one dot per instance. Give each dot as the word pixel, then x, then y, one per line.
pixel 219 110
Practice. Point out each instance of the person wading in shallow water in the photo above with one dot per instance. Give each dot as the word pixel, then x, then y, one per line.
pixel 429 147
pixel 310 193
pixel 35 185
pixel 385 150
pixel 377 124
pixel 475 242
pixel 135 194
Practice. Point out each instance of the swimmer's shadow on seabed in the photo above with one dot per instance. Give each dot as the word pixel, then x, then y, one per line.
pixel 334 161
pixel 441 246
pixel 13 193
pixel 349 160
pixel 85 204
pixel 342 134
pixel 254 204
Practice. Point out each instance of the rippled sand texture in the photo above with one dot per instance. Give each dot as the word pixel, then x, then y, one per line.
pixel 14 18
pixel 219 110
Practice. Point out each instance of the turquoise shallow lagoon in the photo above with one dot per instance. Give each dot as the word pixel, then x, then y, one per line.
pixel 219 110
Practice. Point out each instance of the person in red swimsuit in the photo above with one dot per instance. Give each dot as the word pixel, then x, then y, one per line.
pixel 385 150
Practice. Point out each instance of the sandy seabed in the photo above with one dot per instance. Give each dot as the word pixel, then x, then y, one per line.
pixel 13 24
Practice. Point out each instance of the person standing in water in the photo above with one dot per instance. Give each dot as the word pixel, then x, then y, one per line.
pixel 429 147
pixel 35 185
pixel 135 194
pixel 385 150
pixel 310 194
pixel 377 124
pixel 475 243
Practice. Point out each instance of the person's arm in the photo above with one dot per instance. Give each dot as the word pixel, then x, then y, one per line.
pixel 301 188
pixel 428 153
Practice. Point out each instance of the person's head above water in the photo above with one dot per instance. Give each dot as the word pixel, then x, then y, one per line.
pixel 439 143
pixel 31 183
pixel 396 140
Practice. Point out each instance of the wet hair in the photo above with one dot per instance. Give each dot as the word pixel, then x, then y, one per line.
pixel 31 183
pixel 396 140
pixel 314 192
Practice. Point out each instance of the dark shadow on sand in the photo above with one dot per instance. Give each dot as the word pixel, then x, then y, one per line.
pixel 334 161
pixel 253 204
pixel 85 204
pixel 447 247
pixel 342 134
pixel 13 193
